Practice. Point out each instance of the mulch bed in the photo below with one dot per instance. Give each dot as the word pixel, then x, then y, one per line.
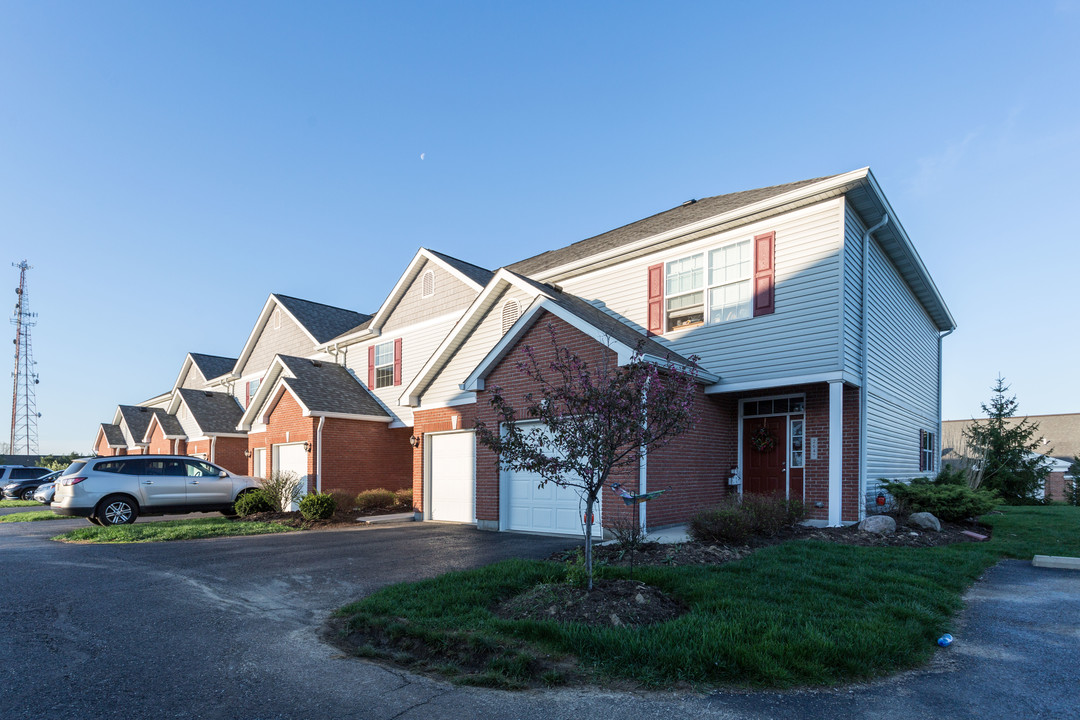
pixel 612 603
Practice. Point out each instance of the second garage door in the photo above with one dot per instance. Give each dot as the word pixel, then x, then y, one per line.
pixel 293 458
pixel 452 476
pixel 550 509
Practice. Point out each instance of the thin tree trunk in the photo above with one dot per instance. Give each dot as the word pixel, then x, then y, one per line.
pixel 588 540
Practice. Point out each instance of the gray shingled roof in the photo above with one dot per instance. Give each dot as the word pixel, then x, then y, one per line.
pixel 214 412
pixel 170 425
pixel 474 272
pixel 212 366
pixel 685 214
pixel 324 322
pixel 113 434
pixel 609 324
pixel 138 419
pixel 327 387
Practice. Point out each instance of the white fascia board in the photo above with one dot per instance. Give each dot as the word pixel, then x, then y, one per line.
pixel 188 362
pixel 349 416
pixel 475 381
pixel 225 434
pixel 251 412
pixel 471 400
pixel 410 396
pixel 909 247
pixel 175 403
pixel 703 376
pixel 253 336
pixel 117 417
pixel 776 382
pixel 830 185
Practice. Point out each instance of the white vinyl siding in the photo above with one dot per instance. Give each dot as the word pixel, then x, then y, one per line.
pixel 801 337
pixel 853 234
pixel 417 346
pixel 902 356
pixel 444 388
pixel 193 379
pixel 289 339
pixel 450 295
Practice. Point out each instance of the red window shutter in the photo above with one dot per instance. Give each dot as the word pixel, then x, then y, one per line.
pixel 656 299
pixel 765 274
pixel 371 367
pixel 397 361
pixel 248 394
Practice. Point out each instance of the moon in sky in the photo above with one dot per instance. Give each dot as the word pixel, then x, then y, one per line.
pixel 422 155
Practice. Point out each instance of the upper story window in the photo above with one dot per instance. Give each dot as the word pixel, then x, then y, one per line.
pixel 384 364
pixel 428 284
pixel 719 280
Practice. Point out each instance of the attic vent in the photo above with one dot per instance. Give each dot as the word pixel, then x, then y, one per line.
pixel 277 318
pixel 207 393
pixel 429 283
pixel 691 201
pixel 316 363
pixel 142 409
pixel 511 310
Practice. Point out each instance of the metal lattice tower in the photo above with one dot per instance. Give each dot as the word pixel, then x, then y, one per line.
pixel 24 414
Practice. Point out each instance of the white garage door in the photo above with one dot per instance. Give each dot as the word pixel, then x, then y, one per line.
pixel 452 475
pixel 292 457
pixel 551 509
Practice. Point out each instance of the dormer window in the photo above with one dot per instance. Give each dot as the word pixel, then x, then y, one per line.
pixel 428 283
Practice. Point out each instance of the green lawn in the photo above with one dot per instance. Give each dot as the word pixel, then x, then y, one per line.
pixel 802 613
pixel 19 503
pixel 31 516
pixel 170 530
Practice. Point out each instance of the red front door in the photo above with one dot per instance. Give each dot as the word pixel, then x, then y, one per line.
pixel 764 456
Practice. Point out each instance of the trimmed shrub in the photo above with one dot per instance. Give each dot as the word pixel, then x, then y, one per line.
pixel 735 521
pixel 345 501
pixel 318 506
pixel 253 502
pixel 404 499
pixel 948 502
pixel 378 499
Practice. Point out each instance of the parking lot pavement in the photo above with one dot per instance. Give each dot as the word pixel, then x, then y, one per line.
pixel 228 628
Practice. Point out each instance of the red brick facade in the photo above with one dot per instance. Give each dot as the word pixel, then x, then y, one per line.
pixel 357 454
pixel 458 417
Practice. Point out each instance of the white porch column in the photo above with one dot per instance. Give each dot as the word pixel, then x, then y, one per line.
pixel 836 451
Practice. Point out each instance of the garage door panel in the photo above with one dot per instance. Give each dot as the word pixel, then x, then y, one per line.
pixel 452 477
pixel 292 457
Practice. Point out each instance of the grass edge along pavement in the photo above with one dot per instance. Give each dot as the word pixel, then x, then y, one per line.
pixel 19 503
pixel 769 620
pixel 169 530
pixel 31 516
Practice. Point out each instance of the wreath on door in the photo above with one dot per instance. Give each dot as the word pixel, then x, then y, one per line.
pixel 763 440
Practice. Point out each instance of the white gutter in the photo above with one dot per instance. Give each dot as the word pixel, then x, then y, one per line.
pixel 941 336
pixel 318 455
pixel 864 372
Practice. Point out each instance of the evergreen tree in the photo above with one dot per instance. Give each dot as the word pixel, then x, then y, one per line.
pixel 1011 464
pixel 1072 485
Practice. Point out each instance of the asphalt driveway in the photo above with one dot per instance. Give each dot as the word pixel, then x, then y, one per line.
pixel 227 628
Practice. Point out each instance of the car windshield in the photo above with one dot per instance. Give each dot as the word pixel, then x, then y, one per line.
pixel 74 467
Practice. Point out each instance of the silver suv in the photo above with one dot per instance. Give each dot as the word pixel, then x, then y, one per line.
pixel 116 490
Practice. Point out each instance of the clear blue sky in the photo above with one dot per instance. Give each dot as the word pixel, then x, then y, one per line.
pixel 165 166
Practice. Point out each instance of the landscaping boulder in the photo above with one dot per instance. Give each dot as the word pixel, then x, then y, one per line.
pixel 880 524
pixel 925 520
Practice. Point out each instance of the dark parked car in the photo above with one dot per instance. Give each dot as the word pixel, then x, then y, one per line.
pixel 19 483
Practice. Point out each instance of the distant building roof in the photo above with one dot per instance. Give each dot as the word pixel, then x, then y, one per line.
pixel 212 366
pixel 324 322
pixel 474 272
pixel 114 436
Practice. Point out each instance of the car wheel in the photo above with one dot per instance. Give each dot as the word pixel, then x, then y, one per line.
pixel 117 510
pixel 28 494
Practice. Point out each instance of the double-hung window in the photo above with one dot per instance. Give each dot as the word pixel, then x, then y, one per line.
pixel 685 291
pixel 384 364
pixel 718 281
pixel 927 444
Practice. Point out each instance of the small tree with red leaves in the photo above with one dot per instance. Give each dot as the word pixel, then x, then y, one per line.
pixel 591 420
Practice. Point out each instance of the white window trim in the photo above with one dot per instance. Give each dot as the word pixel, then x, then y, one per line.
pixel 384 366
pixel 707 288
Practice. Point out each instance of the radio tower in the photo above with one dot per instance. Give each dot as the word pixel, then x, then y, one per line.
pixel 24 414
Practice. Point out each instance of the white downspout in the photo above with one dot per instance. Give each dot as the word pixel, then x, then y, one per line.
pixel 213 448
pixel 864 374
pixel 318 455
pixel 941 336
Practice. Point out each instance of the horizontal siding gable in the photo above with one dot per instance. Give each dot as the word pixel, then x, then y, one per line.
pixel 451 295
pixel 289 339
pixel 193 378
pixel 444 388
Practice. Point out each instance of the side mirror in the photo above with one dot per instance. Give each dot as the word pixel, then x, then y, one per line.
pixel 223 474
